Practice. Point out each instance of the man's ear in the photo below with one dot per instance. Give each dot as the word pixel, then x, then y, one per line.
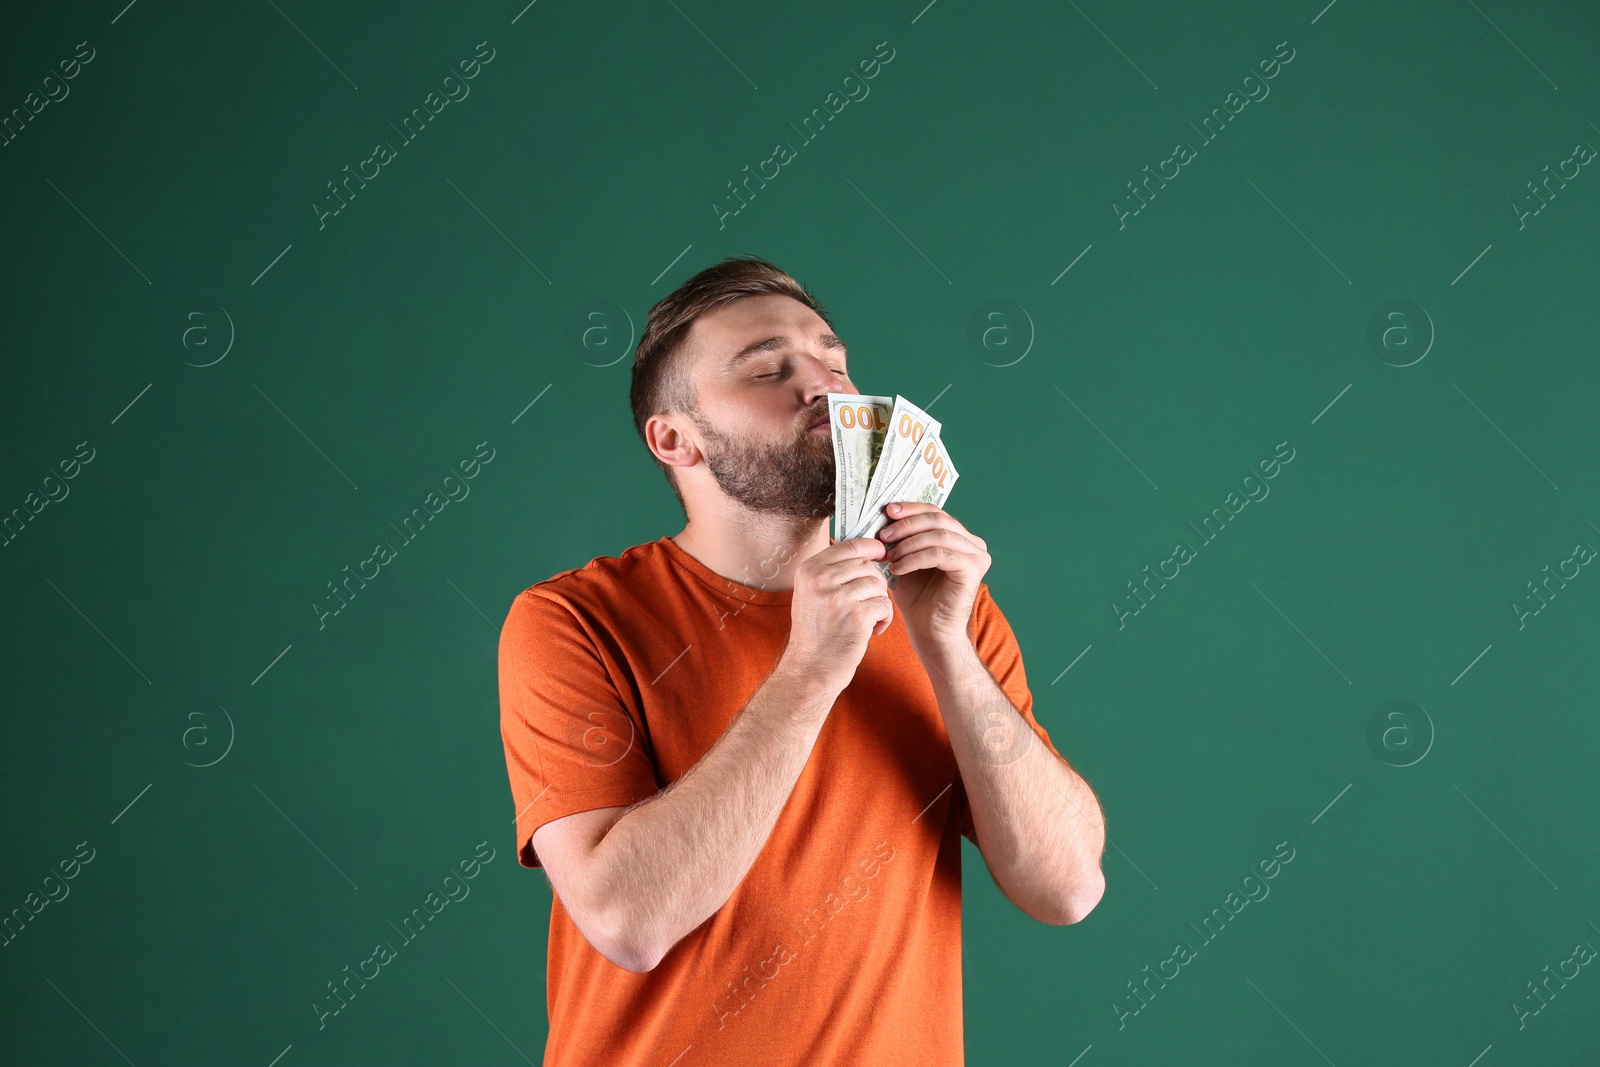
pixel 673 439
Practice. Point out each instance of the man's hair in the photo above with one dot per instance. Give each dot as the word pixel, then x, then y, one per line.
pixel 661 378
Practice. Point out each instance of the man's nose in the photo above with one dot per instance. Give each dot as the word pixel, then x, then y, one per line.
pixel 820 379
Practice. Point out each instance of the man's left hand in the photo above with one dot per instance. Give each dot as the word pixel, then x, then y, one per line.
pixel 935 568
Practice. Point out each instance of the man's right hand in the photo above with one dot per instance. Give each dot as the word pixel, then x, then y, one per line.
pixel 841 600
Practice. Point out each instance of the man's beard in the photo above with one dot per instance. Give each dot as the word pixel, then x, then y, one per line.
pixel 794 478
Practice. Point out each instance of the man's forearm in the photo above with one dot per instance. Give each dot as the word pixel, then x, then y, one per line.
pixel 1039 825
pixel 672 861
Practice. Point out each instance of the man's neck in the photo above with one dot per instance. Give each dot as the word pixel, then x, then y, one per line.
pixel 758 550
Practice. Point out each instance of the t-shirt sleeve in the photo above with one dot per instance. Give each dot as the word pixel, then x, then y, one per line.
pixel 572 743
pixel 997 647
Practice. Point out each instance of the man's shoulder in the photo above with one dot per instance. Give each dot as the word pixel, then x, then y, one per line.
pixel 602 578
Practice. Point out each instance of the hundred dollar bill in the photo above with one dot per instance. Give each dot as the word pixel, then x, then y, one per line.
pixel 928 478
pixel 858 424
pixel 909 425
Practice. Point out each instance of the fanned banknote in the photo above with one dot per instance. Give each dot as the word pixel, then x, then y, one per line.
pixel 928 476
pixel 858 424
pixel 884 453
pixel 908 425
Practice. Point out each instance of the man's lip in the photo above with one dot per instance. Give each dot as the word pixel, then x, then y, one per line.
pixel 819 422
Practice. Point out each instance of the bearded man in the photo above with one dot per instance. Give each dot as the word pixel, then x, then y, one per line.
pixel 745 759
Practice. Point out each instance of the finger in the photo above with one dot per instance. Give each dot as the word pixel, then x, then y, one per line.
pixel 924 520
pixel 841 574
pixel 832 571
pixel 881 627
pixel 856 548
pixel 866 587
pixel 903 509
pixel 909 507
pixel 847 556
pixel 939 557
pixel 940 536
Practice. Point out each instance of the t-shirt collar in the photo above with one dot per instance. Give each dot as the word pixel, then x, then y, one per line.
pixel 717 583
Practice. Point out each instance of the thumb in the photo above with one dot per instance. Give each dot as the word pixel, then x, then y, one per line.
pixel 881 627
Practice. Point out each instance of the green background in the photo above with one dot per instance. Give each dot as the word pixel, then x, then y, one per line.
pixel 159 616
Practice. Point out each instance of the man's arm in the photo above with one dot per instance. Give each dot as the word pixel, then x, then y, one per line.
pixel 671 861
pixel 667 864
pixel 1039 826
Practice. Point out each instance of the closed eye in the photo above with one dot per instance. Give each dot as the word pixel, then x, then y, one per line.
pixel 779 374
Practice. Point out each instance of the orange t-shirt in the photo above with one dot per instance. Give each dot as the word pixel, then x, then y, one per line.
pixel 842 945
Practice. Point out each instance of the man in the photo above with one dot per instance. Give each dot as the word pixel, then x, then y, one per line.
pixel 745 760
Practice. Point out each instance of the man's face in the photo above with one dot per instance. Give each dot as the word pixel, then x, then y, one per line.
pixel 762 368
